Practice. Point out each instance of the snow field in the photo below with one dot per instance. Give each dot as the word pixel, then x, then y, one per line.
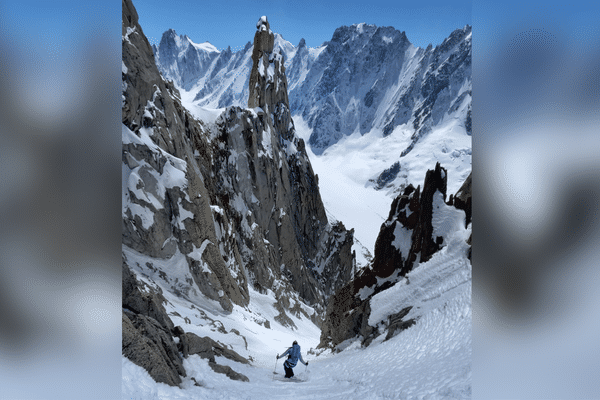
pixel 204 114
pixel 430 360
pixel 343 191
pixel 345 168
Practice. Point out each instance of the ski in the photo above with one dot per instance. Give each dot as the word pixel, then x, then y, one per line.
pixel 280 377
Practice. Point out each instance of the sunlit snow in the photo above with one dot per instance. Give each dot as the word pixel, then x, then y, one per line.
pixel 430 360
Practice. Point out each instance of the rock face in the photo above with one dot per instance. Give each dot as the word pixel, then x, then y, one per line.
pixel 147 331
pixel 407 238
pixel 205 347
pixel 440 86
pixel 462 199
pixel 166 209
pixel 216 209
pixel 408 232
pixel 264 88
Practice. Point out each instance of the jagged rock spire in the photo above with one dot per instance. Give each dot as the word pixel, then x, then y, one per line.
pixel 268 84
pixel 263 26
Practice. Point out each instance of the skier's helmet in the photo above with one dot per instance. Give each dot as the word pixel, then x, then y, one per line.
pixel 295 342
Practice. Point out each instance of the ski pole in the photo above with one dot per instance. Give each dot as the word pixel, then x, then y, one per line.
pixel 277 359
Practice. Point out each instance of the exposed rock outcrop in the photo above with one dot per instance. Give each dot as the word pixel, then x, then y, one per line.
pixel 228 371
pixel 263 84
pixel 289 206
pixel 462 199
pixel 397 324
pixel 144 347
pixel 205 347
pixel 406 239
pixel 347 315
pixel 407 235
pixel 147 331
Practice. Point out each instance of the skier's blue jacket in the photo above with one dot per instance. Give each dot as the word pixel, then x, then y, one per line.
pixel 294 353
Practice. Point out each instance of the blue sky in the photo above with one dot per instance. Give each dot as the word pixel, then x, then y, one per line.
pixel 315 21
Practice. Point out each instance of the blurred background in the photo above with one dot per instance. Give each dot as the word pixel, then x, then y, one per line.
pixel 536 184
pixel 60 228
pixel 536 167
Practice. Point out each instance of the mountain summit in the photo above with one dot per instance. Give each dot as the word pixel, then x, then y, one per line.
pixel 267 84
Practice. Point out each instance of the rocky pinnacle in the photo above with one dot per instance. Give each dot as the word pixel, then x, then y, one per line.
pixel 267 84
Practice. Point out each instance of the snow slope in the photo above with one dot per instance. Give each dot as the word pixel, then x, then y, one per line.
pixel 430 360
pixel 345 168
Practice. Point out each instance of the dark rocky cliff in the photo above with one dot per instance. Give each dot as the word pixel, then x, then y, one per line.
pixel 406 239
pixel 224 207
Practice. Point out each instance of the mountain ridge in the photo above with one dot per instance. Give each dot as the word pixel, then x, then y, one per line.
pixel 365 79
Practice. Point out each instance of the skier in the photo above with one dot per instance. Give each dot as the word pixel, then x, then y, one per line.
pixel 293 354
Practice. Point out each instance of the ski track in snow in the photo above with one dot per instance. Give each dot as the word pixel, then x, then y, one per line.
pixel 428 361
pixel 431 360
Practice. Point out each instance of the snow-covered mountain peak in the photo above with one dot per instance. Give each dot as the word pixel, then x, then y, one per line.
pixel 367 33
pixel 344 33
pixel 170 38
pixel 170 33
pixel 454 39
pixel 206 46
pixel 286 47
